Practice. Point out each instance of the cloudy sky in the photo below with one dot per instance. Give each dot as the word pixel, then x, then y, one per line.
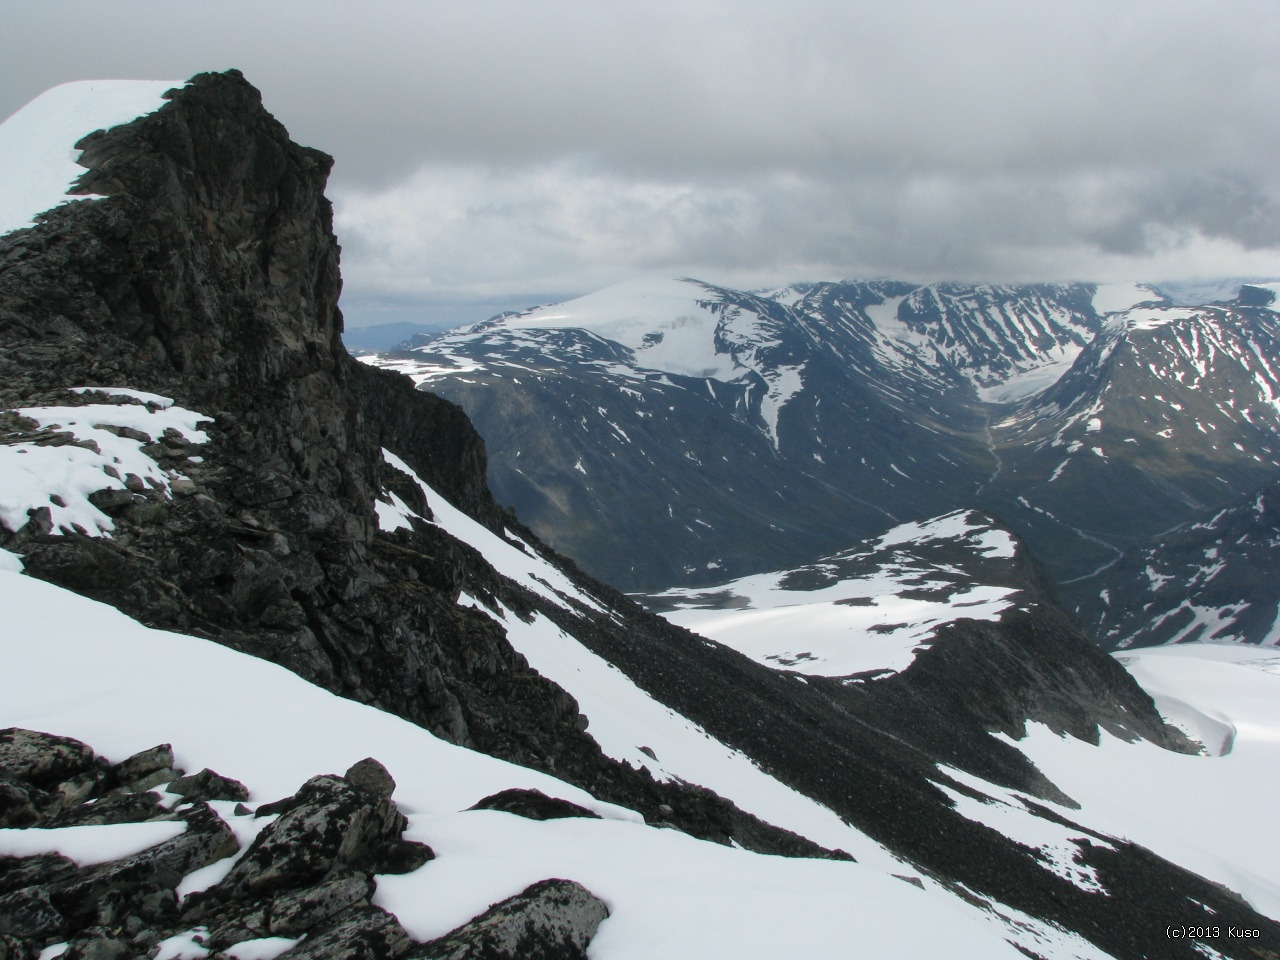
pixel 494 153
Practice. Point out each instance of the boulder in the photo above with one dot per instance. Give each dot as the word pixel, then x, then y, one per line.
pixel 146 769
pixel 295 912
pixel 372 777
pixel 30 913
pixel 20 802
pixel 208 785
pixel 325 823
pixel 551 920
pixel 533 804
pixel 42 759
pixel 364 933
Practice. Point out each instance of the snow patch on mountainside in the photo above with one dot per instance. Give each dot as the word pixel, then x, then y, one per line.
pixel 37 144
pixel 512 558
pixel 1114 297
pixel 1148 318
pixel 1027 383
pixel 667 324
pixel 1008 813
pixel 627 723
pixel 842 616
pixel 82 450
pixel 958 526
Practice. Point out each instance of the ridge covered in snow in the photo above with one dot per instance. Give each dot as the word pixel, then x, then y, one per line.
pixel 865 612
pixel 37 144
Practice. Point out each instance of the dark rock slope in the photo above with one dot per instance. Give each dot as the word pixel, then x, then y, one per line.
pixel 209 274
pixel 1214 580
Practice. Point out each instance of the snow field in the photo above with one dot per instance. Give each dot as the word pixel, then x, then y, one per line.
pixel 854 625
pixel 37 144
pixel 1201 812
pixel 75 667
pixel 89 845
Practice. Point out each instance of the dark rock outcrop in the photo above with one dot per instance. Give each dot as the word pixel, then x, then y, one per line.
pixel 533 804
pixel 551 920
pixel 210 275
pixel 309 875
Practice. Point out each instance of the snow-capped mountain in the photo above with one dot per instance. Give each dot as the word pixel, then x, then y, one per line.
pixel 737 432
pixel 210 463
pixel 1210 581
pixel 1170 412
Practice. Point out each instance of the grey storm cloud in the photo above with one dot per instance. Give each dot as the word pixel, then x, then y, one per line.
pixel 500 148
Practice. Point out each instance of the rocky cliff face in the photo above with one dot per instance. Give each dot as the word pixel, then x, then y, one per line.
pixel 209 275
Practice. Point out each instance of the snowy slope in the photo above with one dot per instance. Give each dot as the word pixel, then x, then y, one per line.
pixel 669 324
pixel 628 723
pixel 868 610
pixel 37 144
pixel 1195 811
pixel 78 668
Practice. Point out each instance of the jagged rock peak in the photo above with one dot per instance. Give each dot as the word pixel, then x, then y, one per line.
pixel 213 172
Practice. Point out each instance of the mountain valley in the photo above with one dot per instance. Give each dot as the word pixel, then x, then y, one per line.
pixel 226 545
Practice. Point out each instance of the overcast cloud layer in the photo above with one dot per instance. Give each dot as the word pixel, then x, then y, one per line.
pixel 499 151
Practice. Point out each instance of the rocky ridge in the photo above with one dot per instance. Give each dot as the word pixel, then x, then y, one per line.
pixel 209 276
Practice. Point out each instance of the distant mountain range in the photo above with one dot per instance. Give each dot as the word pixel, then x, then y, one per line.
pixel 227 547
pixel 719 433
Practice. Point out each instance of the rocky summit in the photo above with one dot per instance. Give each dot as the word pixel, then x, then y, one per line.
pixel 190 444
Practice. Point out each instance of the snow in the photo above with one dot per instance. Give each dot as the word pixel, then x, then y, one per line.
pixel 1005 812
pixel 75 667
pixel 1115 297
pixel 1027 383
pixel 394 515
pixel 1200 812
pixel 959 526
pixel 520 565
pixel 37 144
pixel 246 717
pixel 784 383
pixel 90 845
pixel 244 825
pixel 1148 318
pixel 32 474
pixel 851 624
pixel 623 718
pixel 821 633
pixel 662 321
pixel 420 371
pixel 139 395
pixel 183 946
pixel 264 948
pixel 675 897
